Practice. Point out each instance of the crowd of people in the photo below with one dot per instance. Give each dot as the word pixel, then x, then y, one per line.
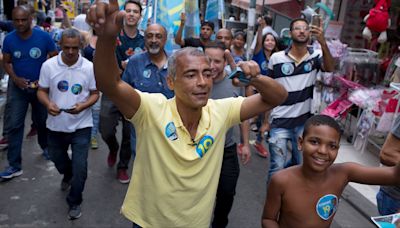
pixel 178 114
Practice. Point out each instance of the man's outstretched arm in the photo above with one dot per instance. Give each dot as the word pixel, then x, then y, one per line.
pixel 106 20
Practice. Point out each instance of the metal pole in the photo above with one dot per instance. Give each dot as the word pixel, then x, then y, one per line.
pixel 251 19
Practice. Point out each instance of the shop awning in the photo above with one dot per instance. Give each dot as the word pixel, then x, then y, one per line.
pixel 244 4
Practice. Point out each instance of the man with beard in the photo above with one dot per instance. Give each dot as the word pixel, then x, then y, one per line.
pixel 206 30
pixel 296 69
pixel 147 71
pixel 129 42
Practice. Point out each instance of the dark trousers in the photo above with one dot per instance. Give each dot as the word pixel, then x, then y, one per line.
pixel 19 101
pixel 74 169
pixel 109 116
pixel 226 187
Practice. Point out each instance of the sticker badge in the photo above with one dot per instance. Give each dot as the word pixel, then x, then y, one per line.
pixel 35 53
pixel 76 89
pixel 147 73
pixel 138 50
pixel 17 54
pixel 327 206
pixel 62 86
pixel 287 68
pixel 264 65
pixel 204 144
pixel 307 67
pixel 170 131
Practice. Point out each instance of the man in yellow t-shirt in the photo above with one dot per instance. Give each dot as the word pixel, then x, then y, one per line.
pixel 180 140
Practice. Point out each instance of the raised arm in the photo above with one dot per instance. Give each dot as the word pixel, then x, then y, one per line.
pixel 271 93
pixel 329 62
pixel 259 42
pixel 178 37
pixel 372 175
pixel 106 20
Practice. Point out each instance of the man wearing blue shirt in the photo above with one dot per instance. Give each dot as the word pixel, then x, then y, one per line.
pixel 147 71
pixel 24 51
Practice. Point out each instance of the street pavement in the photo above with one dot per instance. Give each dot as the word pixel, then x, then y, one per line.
pixel 35 199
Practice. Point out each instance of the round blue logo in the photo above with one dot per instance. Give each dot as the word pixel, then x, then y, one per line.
pixel 35 53
pixel 327 206
pixel 170 131
pixel 17 54
pixel 287 68
pixel 264 65
pixel 62 86
pixel 307 67
pixel 138 50
pixel 147 73
pixel 76 89
pixel 204 145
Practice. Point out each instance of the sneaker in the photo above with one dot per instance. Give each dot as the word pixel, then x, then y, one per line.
pixel 112 158
pixel 74 212
pixel 45 154
pixel 93 143
pixel 32 132
pixel 11 172
pixel 65 184
pixel 261 151
pixel 123 176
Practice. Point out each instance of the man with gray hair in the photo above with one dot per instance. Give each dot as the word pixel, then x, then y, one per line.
pixel 67 89
pixel 180 141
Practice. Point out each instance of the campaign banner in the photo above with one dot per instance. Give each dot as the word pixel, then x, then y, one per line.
pixel 387 221
pixel 192 25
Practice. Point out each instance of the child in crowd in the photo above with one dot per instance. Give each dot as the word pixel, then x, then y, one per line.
pixel 307 195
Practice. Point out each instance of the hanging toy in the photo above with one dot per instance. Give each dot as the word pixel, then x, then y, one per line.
pixel 378 20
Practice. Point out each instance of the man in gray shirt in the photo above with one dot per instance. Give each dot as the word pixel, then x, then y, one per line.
pixel 223 88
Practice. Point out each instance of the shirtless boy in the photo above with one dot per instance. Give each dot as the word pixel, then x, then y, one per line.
pixel 307 195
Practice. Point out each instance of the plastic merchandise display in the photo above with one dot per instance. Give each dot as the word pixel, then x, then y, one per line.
pixel 362 66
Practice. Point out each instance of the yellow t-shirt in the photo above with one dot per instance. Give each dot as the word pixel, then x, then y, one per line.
pixel 174 181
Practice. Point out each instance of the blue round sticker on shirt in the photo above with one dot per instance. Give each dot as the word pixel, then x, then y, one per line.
pixel 264 65
pixel 307 67
pixel 35 53
pixel 76 89
pixel 287 69
pixel 17 54
pixel 204 144
pixel 327 206
pixel 62 86
pixel 170 131
pixel 147 73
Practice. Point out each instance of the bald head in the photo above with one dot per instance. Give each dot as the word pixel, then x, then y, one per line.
pixel 22 20
pixel 225 36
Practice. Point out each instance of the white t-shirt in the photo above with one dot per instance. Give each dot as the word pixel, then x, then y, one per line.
pixel 80 23
pixel 67 86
